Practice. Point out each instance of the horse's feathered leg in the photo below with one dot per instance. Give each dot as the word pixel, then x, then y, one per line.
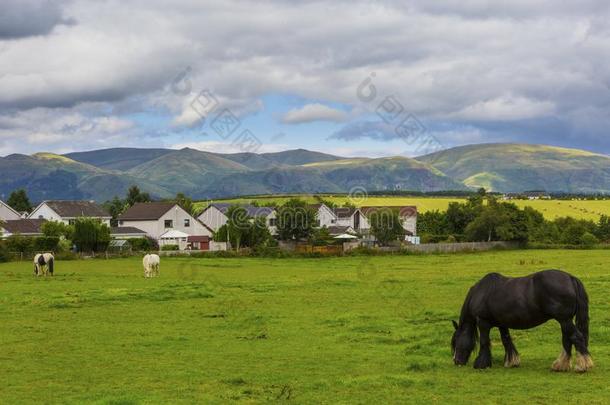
pixel 483 360
pixel 583 358
pixel 511 357
pixel 563 361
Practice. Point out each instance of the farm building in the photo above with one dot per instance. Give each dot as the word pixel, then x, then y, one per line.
pixel 6 212
pixel 215 215
pixel 166 222
pixel 69 211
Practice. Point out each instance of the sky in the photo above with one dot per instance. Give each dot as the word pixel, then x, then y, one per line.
pixel 352 78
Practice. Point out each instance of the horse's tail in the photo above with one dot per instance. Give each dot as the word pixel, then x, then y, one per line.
pixel 582 309
pixel 51 260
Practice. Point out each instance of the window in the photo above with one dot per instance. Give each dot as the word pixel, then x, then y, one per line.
pixel 169 223
pixel 271 221
pixel 120 222
pixel 71 221
pixel 318 223
pixel 187 223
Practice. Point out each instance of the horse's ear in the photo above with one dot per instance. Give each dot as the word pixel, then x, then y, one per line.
pixel 455 325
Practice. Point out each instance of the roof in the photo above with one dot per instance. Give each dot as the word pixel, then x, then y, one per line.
pixel 403 211
pixel 119 243
pixel 252 210
pixel 174 234
pixel 146 211
pixel 74 209
pixel 337 230
pixel 126 230
pixel 344 212
pixel 197 238
pixel 23 226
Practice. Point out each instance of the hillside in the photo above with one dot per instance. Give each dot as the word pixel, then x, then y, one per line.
pixel 50 176
pixel 102 174
pixel 520 167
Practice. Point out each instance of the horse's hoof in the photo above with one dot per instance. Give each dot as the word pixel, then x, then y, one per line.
pixel 514 361
pixel 480 364
pixel 583 363
pixel 562 363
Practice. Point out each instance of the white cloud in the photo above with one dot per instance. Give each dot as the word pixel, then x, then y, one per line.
pixel 473 60
pixel 313 112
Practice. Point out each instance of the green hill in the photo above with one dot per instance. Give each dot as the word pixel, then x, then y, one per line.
pixel 117 158
pixel 521 167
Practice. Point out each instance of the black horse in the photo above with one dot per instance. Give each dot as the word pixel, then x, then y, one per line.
pixel 523 303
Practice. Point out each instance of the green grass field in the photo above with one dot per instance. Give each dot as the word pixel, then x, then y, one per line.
pixel 334 330
pixel 551 209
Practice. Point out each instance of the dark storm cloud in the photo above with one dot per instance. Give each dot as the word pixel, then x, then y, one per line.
pixel 26 18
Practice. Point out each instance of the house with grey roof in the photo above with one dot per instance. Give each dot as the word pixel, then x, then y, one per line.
pixel 215 215
pixel 22 226
pixel 162 221
pixel 69 211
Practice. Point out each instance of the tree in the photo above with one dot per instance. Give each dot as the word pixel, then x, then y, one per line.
pixel 295 220
pixel 386 225
pixel 134 195
pixel 57 229
pixel 432 223
pixel 91 235
pixel 19 201
pixel 242 230
pixel 603 228
pixel 115 207
pixel 185 202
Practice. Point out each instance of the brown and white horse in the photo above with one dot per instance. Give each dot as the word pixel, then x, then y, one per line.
pixel 43 264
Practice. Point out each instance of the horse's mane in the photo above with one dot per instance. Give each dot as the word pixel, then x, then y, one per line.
pixel 481 289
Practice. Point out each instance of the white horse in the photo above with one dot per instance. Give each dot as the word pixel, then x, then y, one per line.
pixel 43 264
pixel 151 265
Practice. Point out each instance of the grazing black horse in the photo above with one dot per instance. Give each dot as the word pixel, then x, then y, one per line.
pixel 523 303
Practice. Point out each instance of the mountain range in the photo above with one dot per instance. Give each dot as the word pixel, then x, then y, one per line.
pixel 103 174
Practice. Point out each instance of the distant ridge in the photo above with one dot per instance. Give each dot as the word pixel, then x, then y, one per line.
pixel 102 174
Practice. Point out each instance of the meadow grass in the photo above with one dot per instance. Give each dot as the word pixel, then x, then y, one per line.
pixel 551 209
pixel 333 330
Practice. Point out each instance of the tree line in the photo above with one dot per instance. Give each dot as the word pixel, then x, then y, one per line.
pixel 484 218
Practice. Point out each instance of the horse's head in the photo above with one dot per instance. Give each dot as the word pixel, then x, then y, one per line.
pixel 463 342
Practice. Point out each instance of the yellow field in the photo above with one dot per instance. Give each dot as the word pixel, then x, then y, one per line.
pixel 550 208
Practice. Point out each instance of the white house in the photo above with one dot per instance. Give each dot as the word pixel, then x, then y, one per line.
pixel 158 219
pixel 347 216
pixel 215 215
pixel 325 217
pixel 69 211
pixel 7 213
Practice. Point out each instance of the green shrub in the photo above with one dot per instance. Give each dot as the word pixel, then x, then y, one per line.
pixel 588 240
pixel 142 244
pixel 46 244
pixel 20 244
pixel 169 247
pixel 4 255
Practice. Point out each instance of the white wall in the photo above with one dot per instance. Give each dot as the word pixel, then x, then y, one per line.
pixel 326 217
pixel 7 213
pixel 213 218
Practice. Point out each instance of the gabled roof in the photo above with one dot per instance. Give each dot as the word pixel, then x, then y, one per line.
pixel 23 226
pixel 252 210
pixel 74 209
pixel 9 208
pixel 403 211
pixel 344 212
pixel 149 211
pixel 174 234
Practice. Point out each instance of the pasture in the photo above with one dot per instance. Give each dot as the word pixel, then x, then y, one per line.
pixel 551 209
pixel 332 330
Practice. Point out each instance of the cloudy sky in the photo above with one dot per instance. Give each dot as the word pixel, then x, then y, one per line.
pixel 347 77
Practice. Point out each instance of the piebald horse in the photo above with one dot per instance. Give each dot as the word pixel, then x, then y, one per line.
pixel 43 264
pixel 151 264
pixel 523 303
